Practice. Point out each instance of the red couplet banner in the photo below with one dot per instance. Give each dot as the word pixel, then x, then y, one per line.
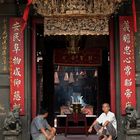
pixel 17 64
pixel 127 62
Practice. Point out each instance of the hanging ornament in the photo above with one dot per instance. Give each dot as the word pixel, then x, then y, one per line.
pixel 81 73
pixel 56 78
pixel 71 79
pixel 58 68
pixel 26 14
pixel 95 73
pixel 77 73
pixel 66 77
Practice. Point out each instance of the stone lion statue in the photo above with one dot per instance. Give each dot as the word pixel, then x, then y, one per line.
pixel 131 117
pixel 12 121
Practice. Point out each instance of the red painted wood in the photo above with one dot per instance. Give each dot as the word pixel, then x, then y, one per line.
pixel 112 68
pixel 34 84
pixel 134 15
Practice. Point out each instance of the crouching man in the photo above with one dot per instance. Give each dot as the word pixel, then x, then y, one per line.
pixel 105 125
pixel 40 129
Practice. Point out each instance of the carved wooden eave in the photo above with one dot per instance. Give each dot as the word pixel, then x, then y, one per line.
pixel 76 17
pixel 76 26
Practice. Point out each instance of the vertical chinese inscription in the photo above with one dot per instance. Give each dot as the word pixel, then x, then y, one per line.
pixel 4 46
pixel 127 63
pixel 16 64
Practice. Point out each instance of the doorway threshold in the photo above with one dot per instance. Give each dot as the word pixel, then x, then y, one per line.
pixel 76 137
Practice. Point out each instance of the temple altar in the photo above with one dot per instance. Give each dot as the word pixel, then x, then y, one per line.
pixel 73 128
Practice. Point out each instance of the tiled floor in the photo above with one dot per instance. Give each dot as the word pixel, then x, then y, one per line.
pixel 76 137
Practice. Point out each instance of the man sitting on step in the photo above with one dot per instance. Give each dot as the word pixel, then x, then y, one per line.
pixel 106 124
pixel 40 129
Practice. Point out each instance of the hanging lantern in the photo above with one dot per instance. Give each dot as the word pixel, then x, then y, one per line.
pixel 56 78
pixel 71 79
pixel 66 77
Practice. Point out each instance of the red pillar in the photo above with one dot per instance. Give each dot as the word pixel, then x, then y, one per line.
pixel 34 69
pixel 112 67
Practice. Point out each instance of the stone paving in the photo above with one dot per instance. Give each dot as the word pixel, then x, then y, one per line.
pixel 76 137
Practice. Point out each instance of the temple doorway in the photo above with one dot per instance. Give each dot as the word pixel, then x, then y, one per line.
pixel 59 83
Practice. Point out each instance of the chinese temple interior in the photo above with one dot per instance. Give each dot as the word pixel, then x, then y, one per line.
pixel 61 85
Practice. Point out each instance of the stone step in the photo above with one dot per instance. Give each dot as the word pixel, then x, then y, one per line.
pixel 76 137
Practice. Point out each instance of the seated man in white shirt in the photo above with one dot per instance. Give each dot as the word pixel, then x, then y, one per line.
pixel 106 124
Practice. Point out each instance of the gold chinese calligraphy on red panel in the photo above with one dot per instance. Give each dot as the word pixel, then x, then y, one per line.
pixel 85 57
pixel 127 63
pixel 16 64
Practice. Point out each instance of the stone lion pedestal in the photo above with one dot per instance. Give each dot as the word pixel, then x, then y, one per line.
pixel 12 135
pixel 132 134
pixel 132 124
pixel 12 125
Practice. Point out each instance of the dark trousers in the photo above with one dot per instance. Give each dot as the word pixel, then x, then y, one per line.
pixel 110 130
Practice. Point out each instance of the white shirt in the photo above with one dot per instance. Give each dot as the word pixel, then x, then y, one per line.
pixel 107 117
